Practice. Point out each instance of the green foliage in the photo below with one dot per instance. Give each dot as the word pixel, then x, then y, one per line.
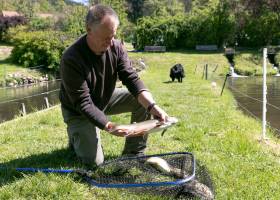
pixel 119 6
pixel 174 23
pixel 210 26
pixel 134 9
pixel 159 8
pixel 38 47
pixel 8 22
pixel 29 7
pixel 209 22
pixel 264 30
pixel 37 23
pixel 73 21
pixel 155 8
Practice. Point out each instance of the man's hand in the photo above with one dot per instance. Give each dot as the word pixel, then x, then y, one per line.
pixel 123 130
pixel 159 114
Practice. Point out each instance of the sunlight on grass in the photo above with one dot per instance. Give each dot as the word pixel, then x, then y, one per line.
pixel 211 126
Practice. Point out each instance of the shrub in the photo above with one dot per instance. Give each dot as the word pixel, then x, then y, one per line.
pixel 261 31
pixel 38 48
pixel 184 31
pixel 73 21
pixel 8 22
pixel 38 23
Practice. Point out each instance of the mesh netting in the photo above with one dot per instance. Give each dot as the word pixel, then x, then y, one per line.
pixel 131 171
pixel 142 171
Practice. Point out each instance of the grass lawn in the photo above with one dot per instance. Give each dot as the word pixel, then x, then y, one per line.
pixel 220 136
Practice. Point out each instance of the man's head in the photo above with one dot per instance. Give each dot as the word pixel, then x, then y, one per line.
pixel 101 24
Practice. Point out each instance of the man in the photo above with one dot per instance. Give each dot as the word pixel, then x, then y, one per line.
pixel 89 70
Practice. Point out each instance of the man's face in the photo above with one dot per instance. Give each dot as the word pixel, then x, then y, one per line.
pixel 101 37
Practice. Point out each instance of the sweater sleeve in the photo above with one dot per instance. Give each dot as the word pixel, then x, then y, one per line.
pixel 128 75
pixel 76 87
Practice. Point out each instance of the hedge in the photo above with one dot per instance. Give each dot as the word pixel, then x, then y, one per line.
pixel 38 47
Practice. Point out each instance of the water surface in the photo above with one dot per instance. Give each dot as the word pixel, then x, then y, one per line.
pixel 31 96
pixel 248 91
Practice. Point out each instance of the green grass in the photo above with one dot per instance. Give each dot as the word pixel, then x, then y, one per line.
pixel 220 136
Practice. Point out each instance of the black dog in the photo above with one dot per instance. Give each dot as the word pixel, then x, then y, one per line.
pixel 177 72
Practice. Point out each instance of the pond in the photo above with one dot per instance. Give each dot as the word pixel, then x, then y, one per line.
pixel 248 93
pixel 31 97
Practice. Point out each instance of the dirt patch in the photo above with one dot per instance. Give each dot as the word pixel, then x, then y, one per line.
pixel 271 144
pixel 5 51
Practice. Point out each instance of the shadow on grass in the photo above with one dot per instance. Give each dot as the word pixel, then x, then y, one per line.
pixel 58 159
pixel 174 82
pixel 167 82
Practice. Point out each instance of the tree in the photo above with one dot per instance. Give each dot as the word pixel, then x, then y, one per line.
pixel 274 5
pixel 73 20
pixel 134 9
pixel 187 4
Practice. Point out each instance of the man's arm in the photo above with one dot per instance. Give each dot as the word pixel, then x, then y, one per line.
pixel 78 92
pixel 130 78
pixel 145 98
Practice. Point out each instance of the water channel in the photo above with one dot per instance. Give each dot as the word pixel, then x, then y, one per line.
pixel 246 90
pixel 32 97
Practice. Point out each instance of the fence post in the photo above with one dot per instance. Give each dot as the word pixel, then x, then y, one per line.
pixel 264 94
pixel 227 75
pixel 47 102
pixel 4 75
pixel 216 68
pixel 23 109
pixel 195 69
pixel 203 72
pixel 206 71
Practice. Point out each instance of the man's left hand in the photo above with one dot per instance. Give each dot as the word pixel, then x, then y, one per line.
pixel 159 113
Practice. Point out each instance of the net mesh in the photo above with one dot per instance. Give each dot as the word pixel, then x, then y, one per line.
pixel 145 169
pixel 201 187
pixel 139 171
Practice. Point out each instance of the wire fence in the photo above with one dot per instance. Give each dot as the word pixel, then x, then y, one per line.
pixel 11 108
pixel 255 99
pixel 201 68
pixel 256 117
pixel 27 97
pixel 237 91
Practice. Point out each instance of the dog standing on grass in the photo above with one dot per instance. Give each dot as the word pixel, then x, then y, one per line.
pixel 177 72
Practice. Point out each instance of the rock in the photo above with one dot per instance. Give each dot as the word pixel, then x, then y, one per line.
pixel 214 84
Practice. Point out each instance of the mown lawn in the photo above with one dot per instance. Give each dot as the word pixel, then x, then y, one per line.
pixel 212 127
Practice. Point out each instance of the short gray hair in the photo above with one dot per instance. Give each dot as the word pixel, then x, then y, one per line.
pixel 97 12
